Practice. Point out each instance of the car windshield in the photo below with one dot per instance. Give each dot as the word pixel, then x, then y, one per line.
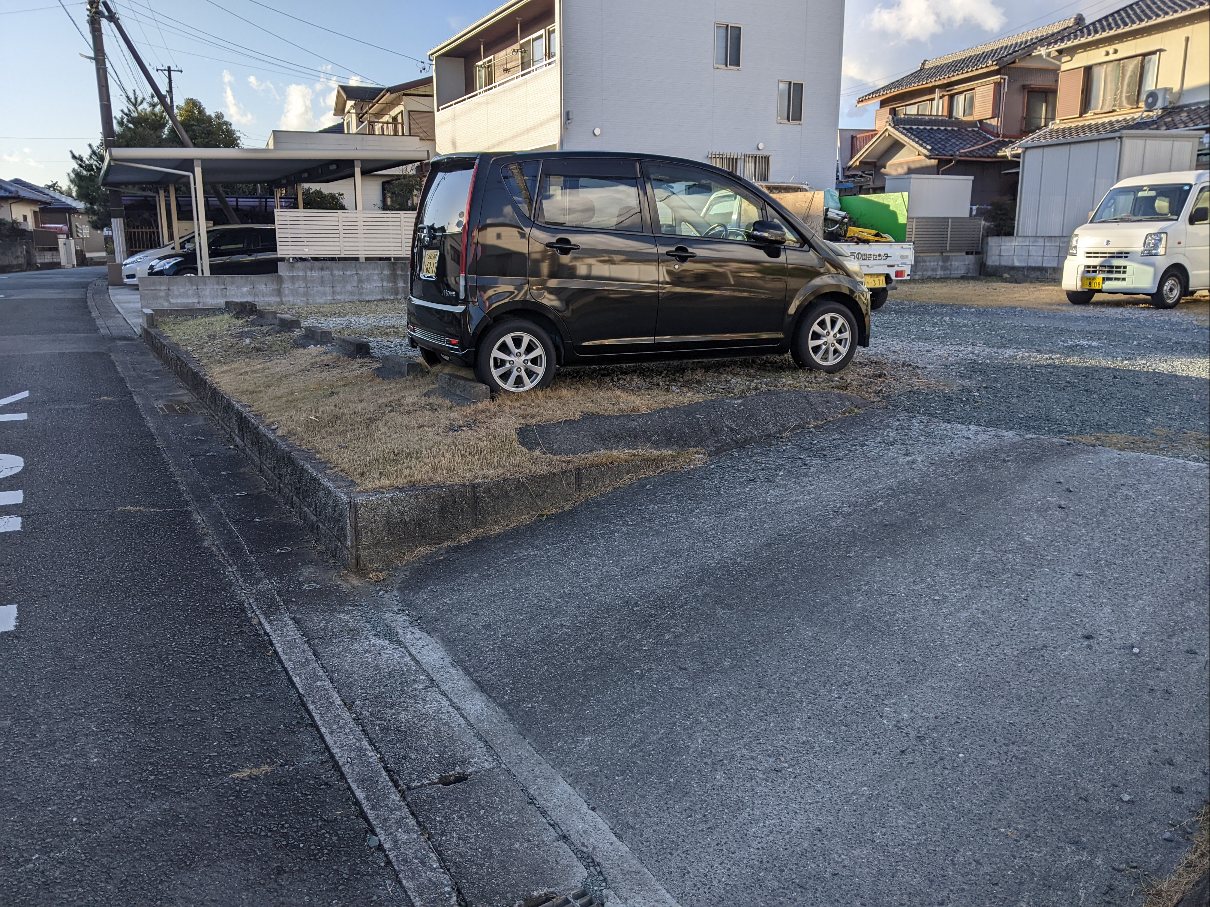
pixel 1135 203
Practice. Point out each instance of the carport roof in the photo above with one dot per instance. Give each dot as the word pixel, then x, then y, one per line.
pixel 246 165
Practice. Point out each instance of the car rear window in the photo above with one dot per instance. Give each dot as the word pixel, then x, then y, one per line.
pixel 444 206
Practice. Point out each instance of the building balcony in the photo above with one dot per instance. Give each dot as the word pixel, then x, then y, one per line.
pixel 518 113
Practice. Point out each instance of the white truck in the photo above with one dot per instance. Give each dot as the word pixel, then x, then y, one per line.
pixel 883 263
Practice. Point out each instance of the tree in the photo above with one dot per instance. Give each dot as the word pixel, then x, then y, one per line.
pixel 318 200
pixel 56 186
pixel 143 124
pixel 400 193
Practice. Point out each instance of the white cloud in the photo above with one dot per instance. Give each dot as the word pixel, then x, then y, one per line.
pixel 23 158
pixel 918 20
pixel 237 114
pixel 264 86
pixel 297 113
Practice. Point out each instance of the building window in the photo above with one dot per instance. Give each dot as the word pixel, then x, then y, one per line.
pixel 727 46
pixel 485 74
pixel 1039 110
pixel 789 102
pixel 1119 84
pixel 538 48
pixel 923 108
pixel 962 106
pixel 753 167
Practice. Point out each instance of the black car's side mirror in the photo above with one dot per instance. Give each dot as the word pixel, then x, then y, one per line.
pixel 767 231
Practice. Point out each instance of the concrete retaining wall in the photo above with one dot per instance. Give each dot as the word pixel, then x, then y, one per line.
pixel 370 531
pixel 1037 257
pixel 17 254
pixel 297 282
pixel 947 264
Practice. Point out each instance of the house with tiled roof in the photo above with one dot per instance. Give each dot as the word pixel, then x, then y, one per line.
pixel 957 113
pixel 1133 98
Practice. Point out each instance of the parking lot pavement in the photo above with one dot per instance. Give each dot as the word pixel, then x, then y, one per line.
pixel 933 654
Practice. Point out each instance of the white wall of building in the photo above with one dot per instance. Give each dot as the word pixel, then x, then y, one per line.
pixel 518 115
pixel 643 73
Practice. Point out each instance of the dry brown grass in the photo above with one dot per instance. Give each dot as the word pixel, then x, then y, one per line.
pixel 1168 892
pixel 343 309
pixel 994 292
pixel 390 433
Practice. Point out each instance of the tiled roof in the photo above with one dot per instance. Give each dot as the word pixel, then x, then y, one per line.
pixel 47 196
pixel 1185 116
pixel 941 137
pixel 973 59
pixel 1141 12
pixel 361 92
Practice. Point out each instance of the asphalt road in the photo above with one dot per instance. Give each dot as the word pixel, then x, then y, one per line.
pixel 933 654
pixel 154 750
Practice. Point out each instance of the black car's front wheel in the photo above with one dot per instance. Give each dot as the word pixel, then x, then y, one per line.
pixel 826 338
pixel 515 357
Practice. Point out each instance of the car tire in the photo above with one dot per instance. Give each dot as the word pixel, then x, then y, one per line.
pixel 1170 290
pixel 515 357
pixel 186 272
pixel 878 299
pixel 1080 297
pixel 826 337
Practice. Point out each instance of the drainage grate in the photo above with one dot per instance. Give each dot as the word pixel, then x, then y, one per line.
pixel 578 898
pixel 174 408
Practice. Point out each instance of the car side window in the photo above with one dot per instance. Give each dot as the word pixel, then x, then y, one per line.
pixel 228 242
pixel 266 241
pixel 520 178
pixel 693 202
pixel 1200 212
pixel 596 202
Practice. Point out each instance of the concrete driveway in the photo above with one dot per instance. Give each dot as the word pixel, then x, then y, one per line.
pixel 933 654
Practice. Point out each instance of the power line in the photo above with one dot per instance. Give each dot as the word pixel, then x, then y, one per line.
pixel 288 41
pixel 341 34
pixel 76 25
pixel 193 33
pixel 327 78
pixel 38 9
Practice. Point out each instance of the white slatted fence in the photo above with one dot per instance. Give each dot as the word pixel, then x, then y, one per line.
pixel 344 234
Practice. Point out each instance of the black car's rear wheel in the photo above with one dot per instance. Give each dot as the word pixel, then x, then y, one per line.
pixel 826 338
pixel 516 357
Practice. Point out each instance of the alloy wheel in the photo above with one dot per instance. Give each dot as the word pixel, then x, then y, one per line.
pixel 518 362
pixel 829 339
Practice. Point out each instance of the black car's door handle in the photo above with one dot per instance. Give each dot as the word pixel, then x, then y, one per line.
pixel 681 254
pixel 563 246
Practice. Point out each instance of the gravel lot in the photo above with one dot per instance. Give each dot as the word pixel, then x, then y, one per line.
pixel 1132 378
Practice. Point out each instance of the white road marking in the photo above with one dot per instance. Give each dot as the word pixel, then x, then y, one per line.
pixel 14 398
pixel 13 417
pixel 8 618
pixel 10 524
pixel 8 498
pixel 10 465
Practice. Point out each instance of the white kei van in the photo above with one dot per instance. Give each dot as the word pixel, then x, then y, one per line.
pixel 1149 236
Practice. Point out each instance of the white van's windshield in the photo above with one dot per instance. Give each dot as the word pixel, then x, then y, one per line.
pixel 1135 203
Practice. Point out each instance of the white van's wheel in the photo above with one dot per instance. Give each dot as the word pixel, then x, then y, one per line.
pixel 1170 291
pixel 1080 297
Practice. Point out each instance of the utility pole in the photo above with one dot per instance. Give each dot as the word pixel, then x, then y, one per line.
pixel 168 71
pixel 117 216
pixel 112 17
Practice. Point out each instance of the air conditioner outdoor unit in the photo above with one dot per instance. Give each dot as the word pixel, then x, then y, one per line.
pixel 1157 99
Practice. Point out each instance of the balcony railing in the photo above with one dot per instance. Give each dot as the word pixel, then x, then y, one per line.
pixel 538 67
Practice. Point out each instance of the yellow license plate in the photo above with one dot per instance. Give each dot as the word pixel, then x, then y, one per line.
pixel 1092 283
pixel 875 280
pixel 428 264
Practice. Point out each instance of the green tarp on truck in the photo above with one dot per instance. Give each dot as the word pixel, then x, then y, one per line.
pixel 886 212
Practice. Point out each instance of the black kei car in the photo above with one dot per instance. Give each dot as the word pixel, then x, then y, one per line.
pixel 245 249
pixel 525 262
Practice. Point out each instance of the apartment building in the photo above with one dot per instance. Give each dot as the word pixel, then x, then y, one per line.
pixel 751 86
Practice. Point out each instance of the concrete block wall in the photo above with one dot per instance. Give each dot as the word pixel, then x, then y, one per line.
pixel 298 283
pixel 947 264
pixel 1002 253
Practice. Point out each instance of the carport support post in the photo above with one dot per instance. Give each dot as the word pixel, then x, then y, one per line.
pixel 176 218
pixel 359 206
pixel 201 242
pixel 162 214
pixel 298 187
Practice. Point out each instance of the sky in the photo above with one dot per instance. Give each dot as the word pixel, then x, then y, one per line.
pixel 270 64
